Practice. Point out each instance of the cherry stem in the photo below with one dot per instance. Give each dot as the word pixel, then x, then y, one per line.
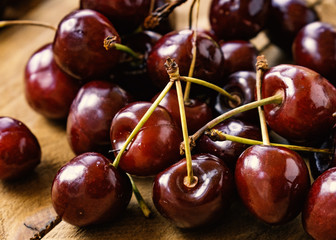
pixel 261 66
pixel 109 43
pixel 194 53
pixel 26 22
pixel 142 121
pixel 190 13
pixel 142 204
pixel 211 86
pixel 161 13
pixel 49 226
pixel 217 135
pixel 276 99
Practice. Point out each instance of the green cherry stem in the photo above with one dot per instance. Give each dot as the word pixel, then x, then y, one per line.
pixel 142 121
pixel 5 23
pixel 142 204
pixel 261 66
pixel 217 135
pixel 276 99
pixel 109 43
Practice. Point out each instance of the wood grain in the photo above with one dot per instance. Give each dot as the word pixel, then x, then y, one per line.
pixel 25 204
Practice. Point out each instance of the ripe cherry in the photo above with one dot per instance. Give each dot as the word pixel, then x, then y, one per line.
pixel 318 215
pixel 78 44
pixel 272 182
pixel 202 204
pixel 48 90
pixel 156 145
pixel 91 114
pixel 89 190
pixel 20 151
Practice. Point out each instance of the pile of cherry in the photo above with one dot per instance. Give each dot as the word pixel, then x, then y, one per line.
pixel 103 95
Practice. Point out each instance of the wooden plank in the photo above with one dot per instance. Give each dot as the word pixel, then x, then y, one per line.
pixel 26 202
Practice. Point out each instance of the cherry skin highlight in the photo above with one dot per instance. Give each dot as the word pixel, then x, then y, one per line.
pixel 20 151
pixel 154 148
pixel 91 114
pixel 203 204
pixel 89 190
pixel 272 182
pixel 78 45
pixel 48 90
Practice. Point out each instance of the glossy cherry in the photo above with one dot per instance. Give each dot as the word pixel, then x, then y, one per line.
pixel 318 215
pixel 20 151
pixel 239 55
pixel 131 74
pixel 238 19
pixel 89 190
pixel 78 44
pixel 272 182
pixel 154 148
pixel 306 113
pixel 241 85
pixel 287 18
pixel 229 151
pixel 198 113
pixel 178 46
pixel 126 16
pixel 202 204
pixel 48 90
pixel 91 114
pixel 315 47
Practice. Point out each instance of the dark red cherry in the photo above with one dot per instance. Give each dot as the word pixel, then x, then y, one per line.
pixel 79 44
pixel 156 145
pixel 306 113
pixel 125 15
pixel 229 151
pixel 91 115
pixel 241 85
pixel 318 215
pixel 48 90
pixel 89 190
pixel 315 47
pixel 239 55
pixel 286 19
pixel 20 151
pixel 131 74
pixel 198 113
pixel 203 204
pixel 238 19
pixel 178 45
pixel 272 182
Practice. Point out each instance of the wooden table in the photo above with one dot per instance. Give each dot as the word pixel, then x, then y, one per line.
pixel 25 204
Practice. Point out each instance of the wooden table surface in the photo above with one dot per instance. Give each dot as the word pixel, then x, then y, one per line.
pixel 25 204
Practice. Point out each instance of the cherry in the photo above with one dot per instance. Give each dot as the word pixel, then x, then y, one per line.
pixel 89 190
pixel 48 90
pixel 318 215
pixel 202 204
pixel 239 55
pixel 229 151
pixel 198 113
pixel 241 85
pixel 91 114
pixel 156 145
pixel 126 16
pixel 238 19
pixel 287 18
pixel 78 44
pixel 131 74
pixel 315 47
pixel 306 113
pixel 272 182
pixel 20 151
pixel 178 45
